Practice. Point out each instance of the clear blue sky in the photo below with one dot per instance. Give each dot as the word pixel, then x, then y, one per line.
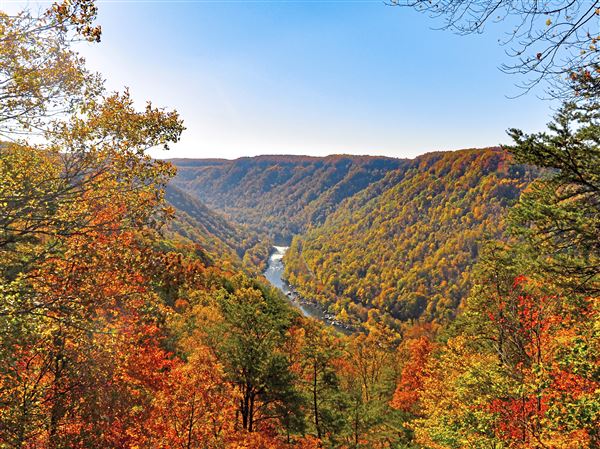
pixel 311 77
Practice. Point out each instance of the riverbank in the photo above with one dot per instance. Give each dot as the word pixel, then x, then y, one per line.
pixel 274 274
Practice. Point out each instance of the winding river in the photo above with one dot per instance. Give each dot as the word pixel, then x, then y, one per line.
pixel 274 274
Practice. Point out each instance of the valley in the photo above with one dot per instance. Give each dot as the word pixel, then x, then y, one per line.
pixel 446 301
pixel 274 274
pixel 379 239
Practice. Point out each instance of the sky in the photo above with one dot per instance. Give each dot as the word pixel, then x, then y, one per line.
pixel 311 77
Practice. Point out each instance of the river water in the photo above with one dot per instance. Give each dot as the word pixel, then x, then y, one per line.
pixel 274 274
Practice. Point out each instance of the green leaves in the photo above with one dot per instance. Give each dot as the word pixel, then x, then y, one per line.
pixel 559 215
pixel 250 343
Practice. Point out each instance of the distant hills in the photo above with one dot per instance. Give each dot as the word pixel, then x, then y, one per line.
pixel 218 237
pixel 280 195
pixel 371 235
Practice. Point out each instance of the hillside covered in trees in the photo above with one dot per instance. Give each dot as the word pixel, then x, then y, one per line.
pixel 279 195
pixel 400 243
pixel 220 238
pixel 125 324
pixel 404 247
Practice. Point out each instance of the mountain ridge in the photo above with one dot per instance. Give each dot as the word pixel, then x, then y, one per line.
pixel 427 215
pixel 280 196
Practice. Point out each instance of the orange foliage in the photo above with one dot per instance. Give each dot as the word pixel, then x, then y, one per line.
pixel 406 396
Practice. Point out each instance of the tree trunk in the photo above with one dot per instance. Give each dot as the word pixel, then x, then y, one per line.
pixel 244 407
pixel 251 414
pixel 191 424
pixel 315 402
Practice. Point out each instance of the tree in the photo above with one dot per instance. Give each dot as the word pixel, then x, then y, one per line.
pixel 321 355
pixel 84 137
pixel 550 41
pixel 462 376
pixel 509 381
pixel 41 78
pixel 250 343
pixel 368 377
pixel 79 367
pixel 559 215
pixel 406 396
pixel 195 408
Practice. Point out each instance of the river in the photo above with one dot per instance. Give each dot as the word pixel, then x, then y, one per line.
pixel 274 274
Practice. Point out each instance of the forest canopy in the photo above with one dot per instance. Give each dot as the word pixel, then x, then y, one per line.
pixel 132 315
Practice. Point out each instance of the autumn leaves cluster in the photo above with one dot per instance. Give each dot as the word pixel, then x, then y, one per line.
pixel 115 336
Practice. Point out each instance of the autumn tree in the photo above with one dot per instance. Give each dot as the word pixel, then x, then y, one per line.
pixel 85 359
pixel 41 77
pixel 78 324
pixel 368 375
pixel 195 408
pixel 321 357
pixel 406 395
pixel 84 137
pixel 250 344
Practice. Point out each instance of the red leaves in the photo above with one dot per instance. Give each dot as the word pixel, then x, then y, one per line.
pixel 546 389
pixel 524 319
pixel 407 392
pixel 520 280
pixel 574 385
pixel 518 418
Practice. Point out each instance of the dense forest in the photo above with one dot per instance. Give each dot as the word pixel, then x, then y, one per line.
pixel 279 195
pixel 219 238
pixel 132 315
pixel 403 249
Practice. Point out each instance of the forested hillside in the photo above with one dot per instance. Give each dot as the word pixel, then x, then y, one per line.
pixel 124 325
pixel 279 195
pixel 195 222
pixel 393 238
pixel 404 247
